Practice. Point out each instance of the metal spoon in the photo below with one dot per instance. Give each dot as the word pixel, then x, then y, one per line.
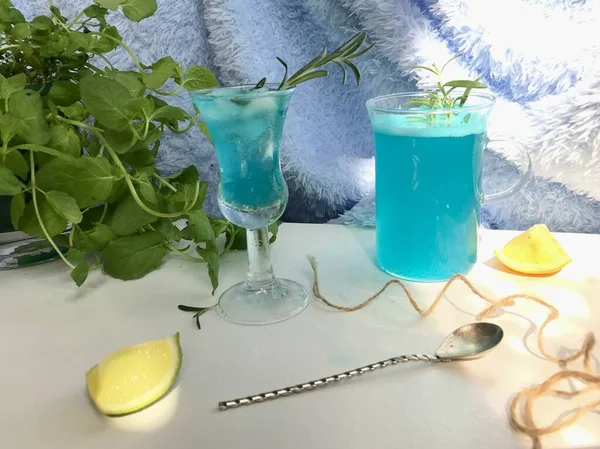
pixel 465 343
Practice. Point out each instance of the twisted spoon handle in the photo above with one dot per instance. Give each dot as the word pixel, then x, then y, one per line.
pixel 275 394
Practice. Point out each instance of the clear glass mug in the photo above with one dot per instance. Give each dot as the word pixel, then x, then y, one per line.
pixel 246 125
pixel 428 170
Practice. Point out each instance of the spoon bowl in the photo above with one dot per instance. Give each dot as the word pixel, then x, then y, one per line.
pixel 471 341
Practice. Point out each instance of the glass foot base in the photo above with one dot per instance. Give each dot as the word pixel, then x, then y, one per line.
pixel 258 306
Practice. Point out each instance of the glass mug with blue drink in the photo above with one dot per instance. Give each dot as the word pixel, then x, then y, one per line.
pixel 428 170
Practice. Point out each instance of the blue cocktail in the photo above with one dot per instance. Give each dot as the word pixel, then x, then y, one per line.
pixel 246 125
pixel 428 166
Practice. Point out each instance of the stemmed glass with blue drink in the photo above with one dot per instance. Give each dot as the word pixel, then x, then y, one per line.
pixel 428 170
pixel 246 125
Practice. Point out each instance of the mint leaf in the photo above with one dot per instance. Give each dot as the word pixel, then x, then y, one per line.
pixel 96 12
pixel 9 86
pixel 17 206
pixel 9 126
pixel 17 163
pixel 54 223
pixel 199 228
pixel 168 229
pixel 131 81
pixel 79 41
pixel 87 179
pixel 137 10
pixel 9 183
pixel 120 141
pixel 65 139
pixel 20 31
pixel 162 70
pixel 134 256
pixel 170 115
pixel 106 100
pixel 64 205
pixel 140 108
pixel 74 112
pixel 109 4
pixel 130 217
pixel 211 257
pixel 198 77
pixel 26 107
pixel 75 254
pixel 273 228
pixel 100 236
pixel 63 93
pixel 108 41
pixel 204 130
pixel 80 273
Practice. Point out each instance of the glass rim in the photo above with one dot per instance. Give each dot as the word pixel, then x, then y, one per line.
pixel 274 92
pixel 370 104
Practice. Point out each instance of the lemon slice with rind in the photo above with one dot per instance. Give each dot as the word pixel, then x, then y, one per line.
pixel 535 251
pixel 135 377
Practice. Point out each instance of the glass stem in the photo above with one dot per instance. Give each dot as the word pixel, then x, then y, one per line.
pixel 260 271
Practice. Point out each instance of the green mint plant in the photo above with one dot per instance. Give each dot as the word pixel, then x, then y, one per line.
pixel 442 97
pixel 79 140
pixel 341 57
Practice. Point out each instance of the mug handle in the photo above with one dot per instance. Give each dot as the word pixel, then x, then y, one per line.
pixel 524 176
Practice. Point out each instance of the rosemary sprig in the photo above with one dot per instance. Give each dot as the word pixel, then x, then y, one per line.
pixel 199 311
pixel 341 56
pixel 442 99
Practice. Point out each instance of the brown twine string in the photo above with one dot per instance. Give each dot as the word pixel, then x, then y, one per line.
pixel 521 418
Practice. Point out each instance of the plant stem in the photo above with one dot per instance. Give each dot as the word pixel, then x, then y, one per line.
pixel 39 217
pixel 8 47
pixel 184 255
pixel 103 213
pixel 168 94
pixel 125 46
pixel 75 20
pixel 164 182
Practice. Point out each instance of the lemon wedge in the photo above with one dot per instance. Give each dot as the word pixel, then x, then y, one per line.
pixel 535 251
pixel 135 377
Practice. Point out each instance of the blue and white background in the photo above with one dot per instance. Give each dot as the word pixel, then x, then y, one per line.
pixel 540 58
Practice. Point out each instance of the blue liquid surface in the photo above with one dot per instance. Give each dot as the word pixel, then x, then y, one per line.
pixel 428 197
pixel 246 127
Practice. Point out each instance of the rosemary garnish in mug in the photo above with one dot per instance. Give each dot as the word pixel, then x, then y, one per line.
pixel 340 56
pixel 442 99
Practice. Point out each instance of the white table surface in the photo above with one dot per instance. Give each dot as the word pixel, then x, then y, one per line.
pixel 51 333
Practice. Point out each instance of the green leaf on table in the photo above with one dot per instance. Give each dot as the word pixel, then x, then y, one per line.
pixel 26 107
pixel 199 228
pixel 63 93
pixel 211 256
pixel 134 256
pixel 87 179
pixel 95 239
pixel 17 206
pixel 113 5
pixel 137 10
pixel 168 229
pixel 130 217
pixel 53 222
pixel 199 77
pixel 9 86
pixel 76 112
pixel 162 70
pixel 9 183
pixel 9 126
pixel 64 205
pixel 131 81
pixel 65 139
pixel 80 273
pixel 106 100
pixel 17 163
pixel 467 84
